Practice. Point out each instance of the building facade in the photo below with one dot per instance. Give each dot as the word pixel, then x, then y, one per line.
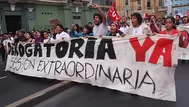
pixel 35 14
pixel 180 6
pixel 156 7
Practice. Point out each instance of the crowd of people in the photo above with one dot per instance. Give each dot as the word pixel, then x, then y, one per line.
pixel 131 26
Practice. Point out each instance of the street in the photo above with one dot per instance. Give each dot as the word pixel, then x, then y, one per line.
pixel 84 95
pixel 15 87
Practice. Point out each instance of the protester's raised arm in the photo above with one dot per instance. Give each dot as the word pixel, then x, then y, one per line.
pixel 101 12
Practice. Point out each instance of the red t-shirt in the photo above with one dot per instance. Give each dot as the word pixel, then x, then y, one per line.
pixel 174 31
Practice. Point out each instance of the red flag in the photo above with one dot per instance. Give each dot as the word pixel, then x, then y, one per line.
pixel 112 13
pixel 187 13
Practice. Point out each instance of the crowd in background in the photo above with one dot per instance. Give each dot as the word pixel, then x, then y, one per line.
pixel 130 26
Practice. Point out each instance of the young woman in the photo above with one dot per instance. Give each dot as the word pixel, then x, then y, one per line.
pixel 170 28
pixel 47 38
pixel 114 30
pixel 154 25
pixel 38 38
pixel 76 31
pixel 137 26
pixel 185 21
pixel 16 38
pixel 87 31
pixel 29 38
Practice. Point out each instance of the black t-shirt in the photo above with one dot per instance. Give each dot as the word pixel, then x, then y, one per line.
pixel 110 34
pixel 21 39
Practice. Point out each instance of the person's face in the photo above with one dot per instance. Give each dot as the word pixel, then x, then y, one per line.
pixel 177 18
pixel 73 25
pixel 38 34
pixel 152 18
pixel 5 36
pixel 34 33
pixel 185 20
pixel 147 21
pixel 20 33
pixel 135 21
pixel 85 30
pixel 96 20
pixel 45 35
pixel 17 32
pixel 27 36
pixel 113 28
pixel 169 24
pixel 58 29
pixel 90 24
pixel 15 36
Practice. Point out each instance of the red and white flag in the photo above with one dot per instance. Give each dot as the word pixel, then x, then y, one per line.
pixel 112 13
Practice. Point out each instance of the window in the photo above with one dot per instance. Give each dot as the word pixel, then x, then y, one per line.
pixel 103 2
pixel 76 17
pixel 139 4
pixel 176 12
pixel 148 4
pixel 161 4
pixel 126 2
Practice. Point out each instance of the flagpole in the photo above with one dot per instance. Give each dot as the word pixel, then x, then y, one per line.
pixel 124 9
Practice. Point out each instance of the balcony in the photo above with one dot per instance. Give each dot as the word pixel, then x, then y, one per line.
pixel 86 1
pixel 103 3
pixel 162 8
pixel 57 2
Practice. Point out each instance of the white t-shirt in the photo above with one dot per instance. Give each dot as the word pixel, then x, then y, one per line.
pixel 62 35
pixel 137 30
pixel 48 40
pixel 124 29
pixel 100 30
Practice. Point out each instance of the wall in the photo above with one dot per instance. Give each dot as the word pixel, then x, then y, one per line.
pixel 21 9
pixel 64 13
pixel 42 15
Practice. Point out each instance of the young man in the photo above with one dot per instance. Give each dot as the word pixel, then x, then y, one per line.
pixel 178 20
pixel 60 32
pixel 90 24
pixel 21 37
pixel 137 26
pixel 100 28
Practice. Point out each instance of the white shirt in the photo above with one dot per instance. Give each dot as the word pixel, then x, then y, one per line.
pixel 48 40
pixel 100 30
pixel 62 35
pixel 137 30
pixel 123 29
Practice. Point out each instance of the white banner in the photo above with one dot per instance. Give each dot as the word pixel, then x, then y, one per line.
pixel 139 65
pixel 184 52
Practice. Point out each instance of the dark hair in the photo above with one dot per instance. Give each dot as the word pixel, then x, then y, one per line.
pixel 44 32
pixel 90 23
pixel 89 28
pixel 61 26
pixel 138 16
pixel 178 16
pixel 99 16
pixel 172 19
pixel 80 28
pixel 77 28
pixel 185 17
pixel 15 35
pixel 21 30
pixel 31 35
pixel 152 15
